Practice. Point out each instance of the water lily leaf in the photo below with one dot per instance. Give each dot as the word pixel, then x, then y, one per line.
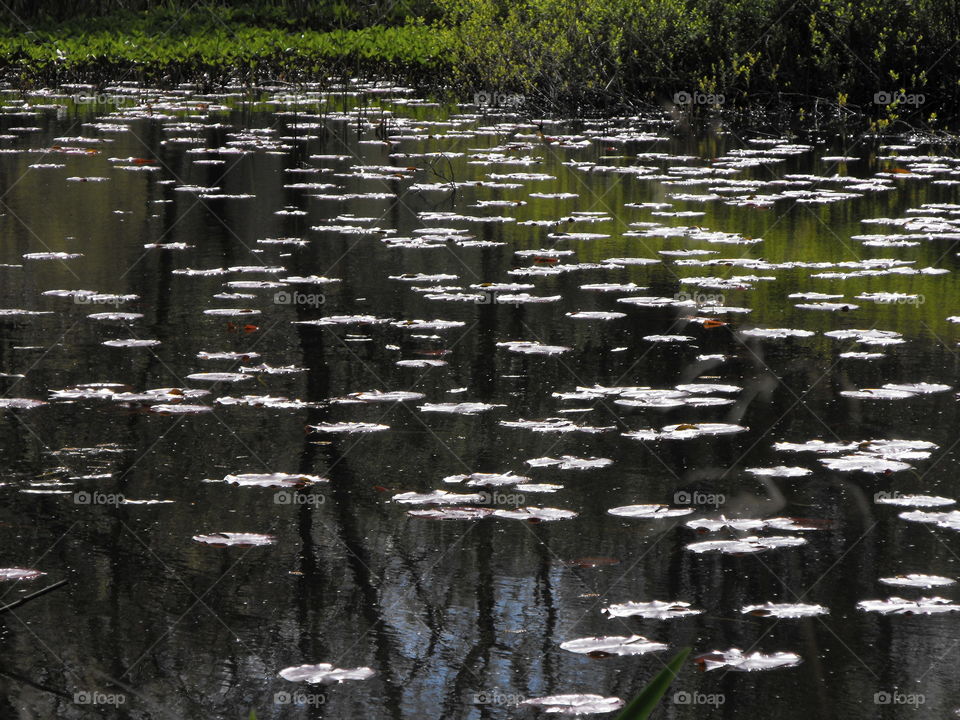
pixel 899 606
pixel 575 704
pixel 324 673
pixel 864 462
pixel 784 610
pixel 234 539
pixel 734 659
pixel 780 471
pixel 348 427
pixel 18 574
pixel 918 580
pixel 649 511
pixel 276 479
pixel 752 544
pixel 20 403
pixel 612 645
pixel 569 462
pixel 464 408
pixel 437 497
pixel 913 500
pixel 654 610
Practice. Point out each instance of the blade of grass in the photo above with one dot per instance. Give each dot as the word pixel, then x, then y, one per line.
pixel 646 702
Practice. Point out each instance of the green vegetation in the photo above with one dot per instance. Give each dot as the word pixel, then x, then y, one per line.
pixel 213 46
pixel 825 57
pixel 646 702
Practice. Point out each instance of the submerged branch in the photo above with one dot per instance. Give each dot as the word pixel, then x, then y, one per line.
pixel 31 596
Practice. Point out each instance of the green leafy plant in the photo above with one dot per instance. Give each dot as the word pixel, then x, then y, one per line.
pixel 646 702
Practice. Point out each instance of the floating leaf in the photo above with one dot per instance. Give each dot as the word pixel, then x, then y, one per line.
pixel 575 704
pixel 233 539
pixel 18 574
pixel 651 512
pixel 655 610
pixel 612 645
pixel 899 606
pixel 918 580
pixel 734 659
pixel 752 544
pixel 784 610
pixel 324 673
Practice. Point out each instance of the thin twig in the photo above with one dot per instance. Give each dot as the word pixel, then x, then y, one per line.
pixel 31 596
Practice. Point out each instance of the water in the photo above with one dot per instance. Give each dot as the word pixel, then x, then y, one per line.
pixel 458 618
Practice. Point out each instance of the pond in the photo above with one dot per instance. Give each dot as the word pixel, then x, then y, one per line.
pixel 426 394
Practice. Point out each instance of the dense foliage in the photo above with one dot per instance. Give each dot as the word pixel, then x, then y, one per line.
pixel 837 54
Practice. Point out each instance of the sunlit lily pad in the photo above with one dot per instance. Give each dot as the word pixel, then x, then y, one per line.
pixel 612 645
pixel 437 497
pixel 275 479
pixel 568 462
pixel 17 574
pixel 649 512
pixel 464 408
pixel 219 377
pixel 233 539
pixel 131 343
pixel 735 659
pixel 558 425
pixel 575 704
pixel 479 479
pixel 348 427
pixel 864 462
pixel 752 544
pixel 452 513
pixel 323 673
pixel 899 606
pixel 535 514
pixel 918 580
pixel 686 431
pixel 653 610
pixel 20 403
pixel 747 524
pixel 784 610
pixel 780 471
pixel 774 333
pixel 533 347
pixel 914 500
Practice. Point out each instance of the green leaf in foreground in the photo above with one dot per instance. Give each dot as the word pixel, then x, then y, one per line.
pixel 646 702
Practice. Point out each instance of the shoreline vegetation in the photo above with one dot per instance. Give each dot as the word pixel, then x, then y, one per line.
pixel 892 64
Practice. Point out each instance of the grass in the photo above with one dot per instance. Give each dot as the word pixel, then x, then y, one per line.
pixel 813 60
pixel 212 48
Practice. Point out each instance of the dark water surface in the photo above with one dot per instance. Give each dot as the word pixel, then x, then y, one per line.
pixel 459 618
